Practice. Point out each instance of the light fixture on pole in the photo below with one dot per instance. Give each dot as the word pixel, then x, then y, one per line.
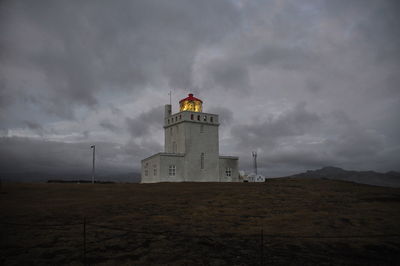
pixel 94 156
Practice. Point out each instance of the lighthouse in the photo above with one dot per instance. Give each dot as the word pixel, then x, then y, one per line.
pixel 191 148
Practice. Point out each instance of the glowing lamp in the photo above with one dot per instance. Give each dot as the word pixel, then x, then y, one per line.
pixel 191 104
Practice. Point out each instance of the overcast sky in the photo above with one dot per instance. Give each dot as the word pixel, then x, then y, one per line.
pixel 304 83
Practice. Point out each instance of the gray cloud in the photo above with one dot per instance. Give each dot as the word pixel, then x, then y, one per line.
pixel 295 122
pixel 36 156
pixel 142 125
pixel 109 125
pixel 302 140
pixel 225 114
pixel 33 125
pixel 305 83
pixel 229 74
pixel 80 49
pixel 284 57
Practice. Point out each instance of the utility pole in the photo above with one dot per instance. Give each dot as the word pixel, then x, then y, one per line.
pixel 254 153
pixel 94 156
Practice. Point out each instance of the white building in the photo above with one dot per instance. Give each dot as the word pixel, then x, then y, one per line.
pixel 191 152
pixel 255 178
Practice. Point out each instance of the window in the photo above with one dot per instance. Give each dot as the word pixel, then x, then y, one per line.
pixel 155 170
pixel 192 116
pixel 211 119
pixel 198 117
pixel 168 121
pixel 205 118
pixel 146 170
pixel 180 117
pixel 201 128
pixel 174 147
pixel 172 170
pixel 202 160
pixel 228 171
pixel 176 118
pixel 170 131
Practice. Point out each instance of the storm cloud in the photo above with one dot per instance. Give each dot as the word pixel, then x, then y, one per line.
pixel 305 83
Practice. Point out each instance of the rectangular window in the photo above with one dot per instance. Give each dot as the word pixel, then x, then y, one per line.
pixel 202 160
pixel 228 171
pixel 211 119
pixel 174 147
pixel 146 170
pixel 155 170
pixel 172 170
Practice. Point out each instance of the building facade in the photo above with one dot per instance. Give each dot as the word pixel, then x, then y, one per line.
pixel 191 149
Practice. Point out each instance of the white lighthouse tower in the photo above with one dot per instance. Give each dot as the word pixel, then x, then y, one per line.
pixel 191 148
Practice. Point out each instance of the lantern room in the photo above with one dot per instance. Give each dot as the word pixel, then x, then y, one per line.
pixel 191 103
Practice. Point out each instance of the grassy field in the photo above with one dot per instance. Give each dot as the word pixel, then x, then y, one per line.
pixel 281 222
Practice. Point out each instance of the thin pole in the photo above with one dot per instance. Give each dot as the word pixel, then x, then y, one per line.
pixel 255 161
pixel 93 166
pixel 84 240
pixel 170 95
pixel 262 246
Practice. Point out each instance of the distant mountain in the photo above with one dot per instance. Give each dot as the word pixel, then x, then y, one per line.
pixel 389 179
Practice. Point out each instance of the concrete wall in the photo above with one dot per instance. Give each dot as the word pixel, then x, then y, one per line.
pixel 172 159
pixel 161 162
pixel 201 138
pixel 175 129
pixel 193 134
pixel 174 138
pixel 228 162
pixel 150 164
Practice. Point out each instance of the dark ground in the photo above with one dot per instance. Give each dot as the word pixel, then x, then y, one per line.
pixel 304 222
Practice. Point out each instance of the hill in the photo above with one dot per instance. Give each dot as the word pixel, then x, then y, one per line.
pixel 389 179
pixel 288 221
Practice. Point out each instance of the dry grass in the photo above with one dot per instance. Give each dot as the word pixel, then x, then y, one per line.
pixel 315 222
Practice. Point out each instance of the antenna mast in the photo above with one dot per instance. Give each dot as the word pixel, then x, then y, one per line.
pixel 254 153
pixel 93 168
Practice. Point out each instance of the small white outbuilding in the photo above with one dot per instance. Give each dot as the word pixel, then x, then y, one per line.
pixel 255 178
